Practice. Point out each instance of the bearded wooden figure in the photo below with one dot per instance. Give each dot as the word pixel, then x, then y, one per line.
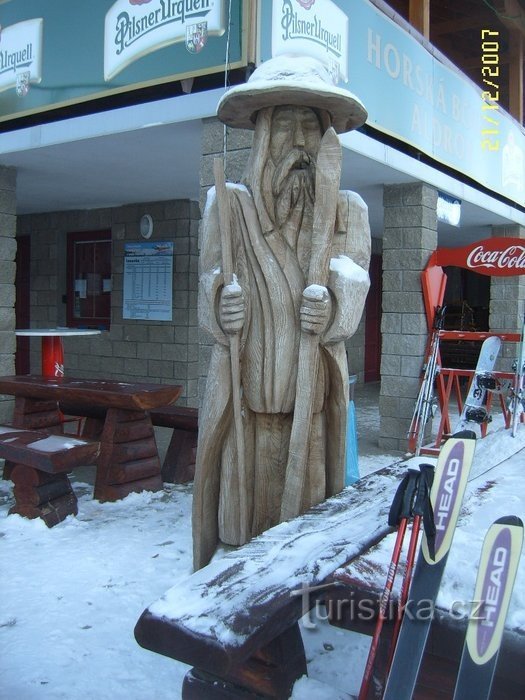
pixel 283 282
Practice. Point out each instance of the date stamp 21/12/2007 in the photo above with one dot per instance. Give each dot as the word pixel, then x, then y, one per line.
pixel 490 97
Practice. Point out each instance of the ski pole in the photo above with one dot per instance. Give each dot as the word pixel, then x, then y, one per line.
pixel 423 390
pixel 419 419
pixel 518 383
pixel 399 514
pixel 422 510
pixel 431 375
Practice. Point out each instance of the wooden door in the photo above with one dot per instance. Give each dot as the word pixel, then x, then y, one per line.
pixel 373 322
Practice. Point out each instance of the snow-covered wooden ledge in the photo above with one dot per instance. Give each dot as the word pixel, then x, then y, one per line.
pixel 237 617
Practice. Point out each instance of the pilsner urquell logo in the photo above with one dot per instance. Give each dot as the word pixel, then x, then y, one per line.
pixel 314 30
pixel 130 28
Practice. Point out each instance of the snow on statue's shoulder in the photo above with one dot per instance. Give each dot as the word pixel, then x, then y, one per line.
pixel 346 267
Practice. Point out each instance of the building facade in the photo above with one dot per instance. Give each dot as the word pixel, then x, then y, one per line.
pixel 121 153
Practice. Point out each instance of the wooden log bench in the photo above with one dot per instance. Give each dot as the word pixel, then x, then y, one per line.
pixel 39 464
pixel 178 466
pixel 236 620
pixel 129 460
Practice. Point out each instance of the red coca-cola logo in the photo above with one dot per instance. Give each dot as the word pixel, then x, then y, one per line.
pixel 510 258
pixel 307 4
pixel 499 257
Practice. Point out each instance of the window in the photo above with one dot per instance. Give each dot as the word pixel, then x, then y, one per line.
pixel 89 279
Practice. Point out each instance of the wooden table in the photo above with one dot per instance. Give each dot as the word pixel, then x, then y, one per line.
pixel 128 460
pixel 52 346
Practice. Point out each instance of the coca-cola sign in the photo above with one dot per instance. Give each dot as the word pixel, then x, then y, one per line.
pixel 500 257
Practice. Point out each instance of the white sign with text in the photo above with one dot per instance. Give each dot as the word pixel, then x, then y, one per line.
pixel 316 28
pixel 21 55
pixel 135 28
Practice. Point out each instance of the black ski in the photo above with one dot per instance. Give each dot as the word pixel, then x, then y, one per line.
pixel 452 471
pixel 499 561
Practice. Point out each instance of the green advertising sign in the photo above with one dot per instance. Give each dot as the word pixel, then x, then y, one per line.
pixel 407 91
pixel 58 53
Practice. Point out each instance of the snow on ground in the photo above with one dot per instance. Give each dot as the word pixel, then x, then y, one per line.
pixel 71 595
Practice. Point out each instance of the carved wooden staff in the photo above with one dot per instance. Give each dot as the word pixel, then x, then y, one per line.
pixel 223 205
pixel 327 180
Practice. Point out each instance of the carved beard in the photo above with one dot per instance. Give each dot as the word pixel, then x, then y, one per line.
pixel 292 184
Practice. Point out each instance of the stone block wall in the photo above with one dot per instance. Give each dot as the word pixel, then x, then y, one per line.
pixel 409 238
pixel 140 350
pixel 7 281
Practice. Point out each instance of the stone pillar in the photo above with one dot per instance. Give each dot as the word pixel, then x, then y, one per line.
pixel 409 238
pixel 507 301
pixel 7 281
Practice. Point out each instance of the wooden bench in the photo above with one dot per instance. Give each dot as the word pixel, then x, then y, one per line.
pixel 129 460
pixel 178 466
pixel 39 464
pixel 236 620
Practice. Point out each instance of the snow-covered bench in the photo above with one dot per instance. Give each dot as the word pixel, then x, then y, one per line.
pixel 39 462
pixel 236 620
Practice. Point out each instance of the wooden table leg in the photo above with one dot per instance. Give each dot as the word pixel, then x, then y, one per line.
pixel 129 459
pixel 41 495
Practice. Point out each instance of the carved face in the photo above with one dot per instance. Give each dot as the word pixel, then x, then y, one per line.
pixel 295 129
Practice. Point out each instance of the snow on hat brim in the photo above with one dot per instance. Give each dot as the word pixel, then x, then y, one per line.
pixel 291 80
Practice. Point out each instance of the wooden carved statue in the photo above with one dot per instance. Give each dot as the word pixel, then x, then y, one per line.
pixel 283 282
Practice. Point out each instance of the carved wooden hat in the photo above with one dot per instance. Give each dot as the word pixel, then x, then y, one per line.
pixel 291 80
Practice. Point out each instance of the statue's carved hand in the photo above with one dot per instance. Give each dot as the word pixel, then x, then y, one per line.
pixel 315 309
pixel 231 309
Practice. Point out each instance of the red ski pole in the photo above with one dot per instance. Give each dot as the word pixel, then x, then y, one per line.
pixel 407 578
pixel 421 509
pixel 399 514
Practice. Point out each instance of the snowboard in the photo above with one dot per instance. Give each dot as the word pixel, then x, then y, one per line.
pixel 474 411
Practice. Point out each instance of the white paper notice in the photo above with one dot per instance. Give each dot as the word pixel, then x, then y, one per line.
pixel 148 281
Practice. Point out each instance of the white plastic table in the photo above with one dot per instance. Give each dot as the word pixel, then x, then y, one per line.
pixel 52 346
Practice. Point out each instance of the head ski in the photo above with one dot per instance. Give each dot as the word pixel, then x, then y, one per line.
pixel 499 561
pixel 452 471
